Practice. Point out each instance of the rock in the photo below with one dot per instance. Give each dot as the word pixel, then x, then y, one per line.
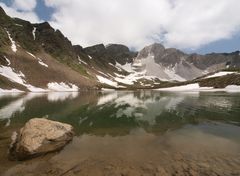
pixel 40 136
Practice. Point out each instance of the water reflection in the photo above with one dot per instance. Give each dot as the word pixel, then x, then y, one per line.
pixel 126 130
pixel 93 112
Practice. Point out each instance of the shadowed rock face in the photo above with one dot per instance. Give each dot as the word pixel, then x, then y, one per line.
pixel 40 136
pixel 111 54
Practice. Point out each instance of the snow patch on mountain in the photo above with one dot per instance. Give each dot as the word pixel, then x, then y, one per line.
pixel 62 87
pixel 133 77
pixel 90 57
pixel 10 91
pixel 81 61
pixel 41 62
pixel 9 73
pixel 8 61
pixel 13 46
pixel 107 81
pixel 196 88
pixel 127 67
pixel 34 33
pixel 31 54
pixel 219 74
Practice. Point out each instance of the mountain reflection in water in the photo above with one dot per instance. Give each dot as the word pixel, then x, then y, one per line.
pixel 131 128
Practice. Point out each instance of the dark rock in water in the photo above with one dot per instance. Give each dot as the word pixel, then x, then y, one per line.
pixel 40 136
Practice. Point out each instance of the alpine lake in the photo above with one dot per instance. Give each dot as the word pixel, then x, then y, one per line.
pixel 143 132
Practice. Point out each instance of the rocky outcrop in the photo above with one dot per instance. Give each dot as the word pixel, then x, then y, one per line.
pixel 121 53
pixel 40 136
pixel 112 53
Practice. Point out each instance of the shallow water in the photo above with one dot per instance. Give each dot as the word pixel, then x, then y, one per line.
pixel 130 133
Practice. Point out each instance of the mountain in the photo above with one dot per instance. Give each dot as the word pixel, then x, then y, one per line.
pixel 172 64
pixel 37 58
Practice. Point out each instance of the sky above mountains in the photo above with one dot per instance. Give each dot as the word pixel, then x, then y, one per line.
pixel 193 26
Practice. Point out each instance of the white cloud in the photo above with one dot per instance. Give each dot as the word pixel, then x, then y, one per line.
pixel 26 5
pixel 22 9
pixel 136 23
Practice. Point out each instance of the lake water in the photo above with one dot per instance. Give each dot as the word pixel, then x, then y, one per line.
pixel 130 133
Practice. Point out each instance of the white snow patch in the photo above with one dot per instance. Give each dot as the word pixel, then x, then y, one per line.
pixel 232 88
pixel 35 89
pixel 10 91
pixel 222 73
pixel 8 61
pixel 118 75
pixel 107 90
pixel 111 64
pixel 9 73
pixel 195 87
pixel 41 62
pixel 188 87
pixel 90 57
pixel 81 61
pixel 62 87
pixel 18 25
pixel 34 33
pixel 14 47
pixel 127 67
pixel 101 73
pixel 134 77
pixel 107 81
pixel 31 54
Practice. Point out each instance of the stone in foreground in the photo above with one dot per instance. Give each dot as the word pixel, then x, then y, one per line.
pixel 40 136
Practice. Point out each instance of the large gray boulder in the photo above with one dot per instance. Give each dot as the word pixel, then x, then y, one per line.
pixel 40 136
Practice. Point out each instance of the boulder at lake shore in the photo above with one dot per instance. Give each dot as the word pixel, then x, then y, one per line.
pixel 40 136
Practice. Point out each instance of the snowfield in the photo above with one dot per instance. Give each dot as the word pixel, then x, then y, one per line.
pixel 9 73
pixel 107 81
pixel 222 73
pixel 10 91
pixel 13 76
pixel 62 87
pixel 196 87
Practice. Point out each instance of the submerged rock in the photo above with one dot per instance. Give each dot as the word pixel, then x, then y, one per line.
pixel 40 136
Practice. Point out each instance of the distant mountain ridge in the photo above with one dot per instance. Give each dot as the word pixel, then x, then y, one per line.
pixel 36 58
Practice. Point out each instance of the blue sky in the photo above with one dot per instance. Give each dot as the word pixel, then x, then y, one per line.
pixel 87 22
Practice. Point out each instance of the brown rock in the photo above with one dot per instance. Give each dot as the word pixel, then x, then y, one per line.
pixel 40 136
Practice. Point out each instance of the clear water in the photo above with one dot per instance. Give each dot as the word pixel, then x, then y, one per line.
pixel 130 133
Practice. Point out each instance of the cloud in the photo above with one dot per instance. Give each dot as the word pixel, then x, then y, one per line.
pixel 23 9
pixel 25 5
pixel 136 23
